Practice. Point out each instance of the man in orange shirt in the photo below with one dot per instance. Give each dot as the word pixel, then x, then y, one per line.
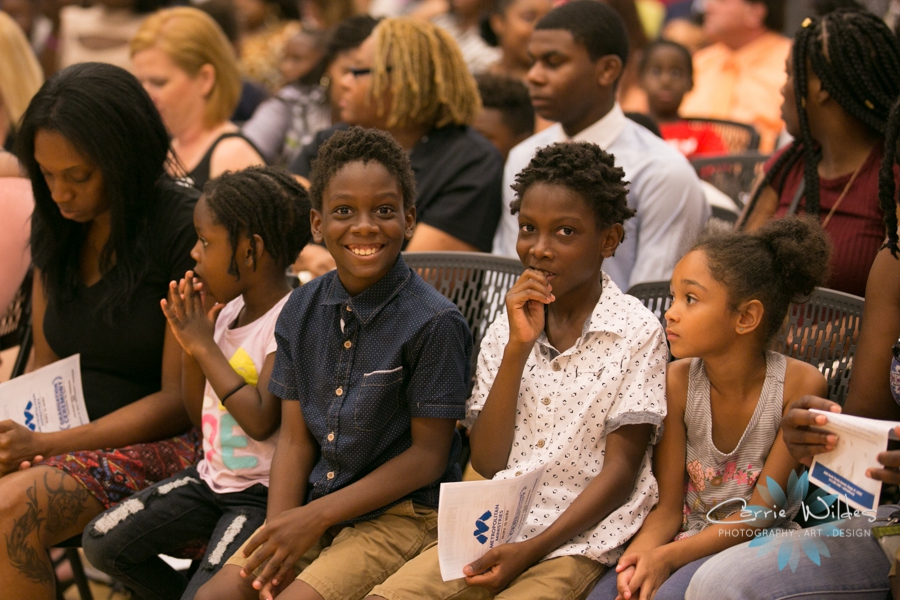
pixel 739 77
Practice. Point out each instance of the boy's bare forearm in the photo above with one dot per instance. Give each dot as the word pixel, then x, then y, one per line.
pixel 491 436
pixel 625 448
pixel 293 461
pixel 423 463
pixel 658 529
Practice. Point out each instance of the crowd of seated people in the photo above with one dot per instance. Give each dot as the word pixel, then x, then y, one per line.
pixel 167 170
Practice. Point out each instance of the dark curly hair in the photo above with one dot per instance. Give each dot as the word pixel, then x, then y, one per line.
pixel 510 97
pixel 664 43
pixel 583 168
pixel 263 201
pixel 363 145
pixel 777 264
pixel 857 58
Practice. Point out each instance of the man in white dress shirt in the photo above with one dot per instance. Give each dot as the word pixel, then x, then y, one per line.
pixel 579 51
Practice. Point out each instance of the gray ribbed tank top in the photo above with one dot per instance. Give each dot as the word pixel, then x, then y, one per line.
pixel 713 477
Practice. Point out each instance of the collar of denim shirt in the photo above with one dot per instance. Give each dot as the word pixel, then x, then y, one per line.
pixel 366 305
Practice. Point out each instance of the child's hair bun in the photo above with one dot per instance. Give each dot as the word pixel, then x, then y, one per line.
pixel 801 253
pixel 780 263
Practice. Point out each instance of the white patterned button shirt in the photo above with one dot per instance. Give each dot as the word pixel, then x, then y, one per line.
pixel 569 402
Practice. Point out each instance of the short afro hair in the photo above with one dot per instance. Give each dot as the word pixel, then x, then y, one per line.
pixel 363 145
pixel 664 43
pixel 594 25
pixel 510 97
pixel 583 168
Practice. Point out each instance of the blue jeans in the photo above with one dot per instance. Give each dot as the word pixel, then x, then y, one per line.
pixel 672 589
pixel 857 568
pixel 125 540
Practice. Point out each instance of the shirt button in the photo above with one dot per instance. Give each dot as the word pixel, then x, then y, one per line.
pixel 518 473
pixel 331 437
pixel 556 367
pixel 347 344
pixel 339 391
pixel 540 443
pixel 545 401
pixel 330 475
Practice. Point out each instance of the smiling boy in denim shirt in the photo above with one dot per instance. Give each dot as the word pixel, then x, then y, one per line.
pixel 372 366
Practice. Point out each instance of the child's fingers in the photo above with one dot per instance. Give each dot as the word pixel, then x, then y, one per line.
pixel 286 570
pixel 889 476
pixel 190 297
pixel 532 284
pixel 516 299
pixel 175 302
pixel 215 310
pixel 276 564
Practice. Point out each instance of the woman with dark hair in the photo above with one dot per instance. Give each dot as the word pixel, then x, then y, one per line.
pixel 843 75
pixel 109 231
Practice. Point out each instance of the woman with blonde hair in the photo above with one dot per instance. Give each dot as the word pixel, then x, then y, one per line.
pixel 20 77
pixel 409 78
pixel 188 68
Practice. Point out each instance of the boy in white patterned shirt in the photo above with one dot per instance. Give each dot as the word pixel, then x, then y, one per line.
pixel 571 381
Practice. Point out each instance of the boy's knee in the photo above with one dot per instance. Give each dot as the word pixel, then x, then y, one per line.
pixel 227 583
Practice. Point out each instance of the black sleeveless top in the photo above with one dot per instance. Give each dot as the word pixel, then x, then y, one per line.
pixel 121 360
pixel 200 174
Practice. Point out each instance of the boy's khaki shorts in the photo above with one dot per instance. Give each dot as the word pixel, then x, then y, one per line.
pixel 563 578
pixel 348 562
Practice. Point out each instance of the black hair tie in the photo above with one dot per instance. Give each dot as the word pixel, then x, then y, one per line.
pixel 232 392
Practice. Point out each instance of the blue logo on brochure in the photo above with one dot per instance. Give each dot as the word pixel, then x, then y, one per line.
pixel 481 527
pixel 29 417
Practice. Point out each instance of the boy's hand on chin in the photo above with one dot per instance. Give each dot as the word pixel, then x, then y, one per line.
pixel 282 542
pixel 500 566
pixel 525 306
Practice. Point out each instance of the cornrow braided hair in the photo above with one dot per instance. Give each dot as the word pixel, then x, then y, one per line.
pixel 583 168
pixel 424 70
pixel 358 144
pixel 887 188
pixel 263 201
pixel 857 59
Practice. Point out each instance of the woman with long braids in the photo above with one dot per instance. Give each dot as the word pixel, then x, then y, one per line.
pixel 843 78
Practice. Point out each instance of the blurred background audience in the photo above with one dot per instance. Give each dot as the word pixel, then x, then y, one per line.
pixel 186 64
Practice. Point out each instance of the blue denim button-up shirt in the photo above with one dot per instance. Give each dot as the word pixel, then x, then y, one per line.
pixel 362 367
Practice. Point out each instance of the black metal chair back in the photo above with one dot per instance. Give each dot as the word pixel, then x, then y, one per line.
pixel 476 282
pixel 738 137
pixel 823 331
pixel 15 325
pixel 733 174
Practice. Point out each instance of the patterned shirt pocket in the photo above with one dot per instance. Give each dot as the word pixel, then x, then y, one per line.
pixel 378 399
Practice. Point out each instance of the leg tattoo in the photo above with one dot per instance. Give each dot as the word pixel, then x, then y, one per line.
pixel 64 506
pixel 30 561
